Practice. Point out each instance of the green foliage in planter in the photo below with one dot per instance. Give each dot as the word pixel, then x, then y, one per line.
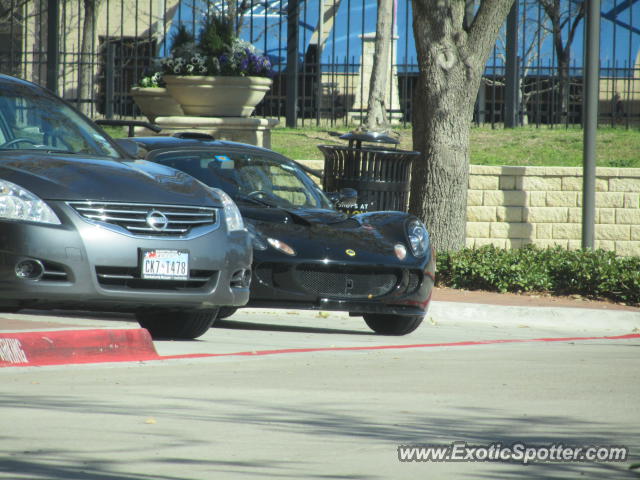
pixel 591 273
pixel 216 36
pixel 217 51
pixel 183 41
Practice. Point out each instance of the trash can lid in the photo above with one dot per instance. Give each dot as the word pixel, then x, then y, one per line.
pixel 369 136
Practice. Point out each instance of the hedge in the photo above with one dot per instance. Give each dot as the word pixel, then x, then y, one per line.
pixel 594 274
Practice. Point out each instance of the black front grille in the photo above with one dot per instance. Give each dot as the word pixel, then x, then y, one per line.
pixel 414 281
pixel 346 282
pixel 147 219
pixel 123 277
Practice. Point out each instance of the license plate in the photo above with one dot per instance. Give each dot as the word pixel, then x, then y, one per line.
pixel 165 265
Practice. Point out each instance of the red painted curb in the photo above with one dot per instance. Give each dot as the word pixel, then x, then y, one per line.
pixel 468 343
pixel 25 349
pixel 135 345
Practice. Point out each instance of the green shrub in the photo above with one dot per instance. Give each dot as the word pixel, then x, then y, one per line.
pixel 590 273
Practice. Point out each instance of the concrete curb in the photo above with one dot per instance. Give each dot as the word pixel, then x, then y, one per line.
pixel 27 349
pixel 552 317
pixel 510 315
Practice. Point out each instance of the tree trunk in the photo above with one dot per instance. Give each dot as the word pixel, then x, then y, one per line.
pixel 564 86
pixel 85 69
pixel 376 110
pixel 562 40
pixel 451 61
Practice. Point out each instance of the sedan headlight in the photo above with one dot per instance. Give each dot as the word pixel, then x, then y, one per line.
pixel 418 237
pixel 232 214
pixel 16 203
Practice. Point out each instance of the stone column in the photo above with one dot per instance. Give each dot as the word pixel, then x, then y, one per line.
pixel 358 111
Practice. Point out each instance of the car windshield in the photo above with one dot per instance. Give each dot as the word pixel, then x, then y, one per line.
pixel 250 178
pixel 34 120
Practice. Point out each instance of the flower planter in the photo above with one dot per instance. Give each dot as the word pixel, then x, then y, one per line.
pixel 217 96
pixel 155 102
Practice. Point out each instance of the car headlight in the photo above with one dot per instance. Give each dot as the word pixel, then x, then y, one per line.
pixel 232 214
pixel 281 246
pixel 418 237
pixel 16 203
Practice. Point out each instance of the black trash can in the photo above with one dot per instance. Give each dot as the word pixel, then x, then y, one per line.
pixel 380 175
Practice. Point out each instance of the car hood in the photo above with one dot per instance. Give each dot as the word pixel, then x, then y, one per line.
pixel 329 234
pixel 64 177
pixel 294 216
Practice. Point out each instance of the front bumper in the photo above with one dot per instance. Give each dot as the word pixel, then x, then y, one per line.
pixel 93 268
pixel 354 287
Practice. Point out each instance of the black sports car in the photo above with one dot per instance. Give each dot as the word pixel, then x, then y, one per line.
pixel 83 225
pixel 308 255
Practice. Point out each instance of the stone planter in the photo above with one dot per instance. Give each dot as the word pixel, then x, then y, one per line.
pixel 155 102
pixel 217 96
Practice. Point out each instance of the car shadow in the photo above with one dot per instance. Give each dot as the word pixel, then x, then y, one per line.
pixel 269 327
pixel 81 314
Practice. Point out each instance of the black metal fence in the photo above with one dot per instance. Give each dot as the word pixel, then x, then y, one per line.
pixel 103 47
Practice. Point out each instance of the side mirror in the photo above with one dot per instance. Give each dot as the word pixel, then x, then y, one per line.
pixel 131 147
pixel 345 198
pixel 348 197
pixel 333 196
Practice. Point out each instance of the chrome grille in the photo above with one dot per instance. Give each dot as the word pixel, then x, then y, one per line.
pixel 147 219
pixel 118 278
pixel 346 282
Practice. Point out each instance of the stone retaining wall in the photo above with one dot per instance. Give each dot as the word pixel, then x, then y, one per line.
pixel 513 206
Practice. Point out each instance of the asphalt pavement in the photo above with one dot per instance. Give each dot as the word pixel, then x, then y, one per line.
pixel 279 331
pixel 297 394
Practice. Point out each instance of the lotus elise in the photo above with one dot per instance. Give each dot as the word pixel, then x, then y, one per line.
pixel 307 254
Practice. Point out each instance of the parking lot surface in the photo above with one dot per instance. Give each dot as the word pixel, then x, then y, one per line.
pixel 296 394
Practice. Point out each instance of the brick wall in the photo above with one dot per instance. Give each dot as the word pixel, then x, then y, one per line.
pixel 513 206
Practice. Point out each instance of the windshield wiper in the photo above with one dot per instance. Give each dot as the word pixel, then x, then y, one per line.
pixel 255 200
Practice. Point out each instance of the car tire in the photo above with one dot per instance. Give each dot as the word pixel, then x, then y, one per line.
pixel 226 312
pixel 388 324
pixel 182 325
pixel 9 309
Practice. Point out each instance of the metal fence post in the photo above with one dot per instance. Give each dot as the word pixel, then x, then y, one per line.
pixel 591 87
pixel 511 81
pixel 53 48
pixel 293 13
pixel 110 84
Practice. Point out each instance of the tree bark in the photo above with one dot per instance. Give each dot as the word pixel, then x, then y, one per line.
pixel 451 60
pixel 564 86
pixel 85 68
pixel 559 22
pixel 376 109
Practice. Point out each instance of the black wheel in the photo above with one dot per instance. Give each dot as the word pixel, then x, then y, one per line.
pixel 387 324
pixel 173 324
pixel 7 309
pixel 226 312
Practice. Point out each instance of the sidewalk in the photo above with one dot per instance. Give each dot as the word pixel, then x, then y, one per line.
pixel 445 294
pixel 575 313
